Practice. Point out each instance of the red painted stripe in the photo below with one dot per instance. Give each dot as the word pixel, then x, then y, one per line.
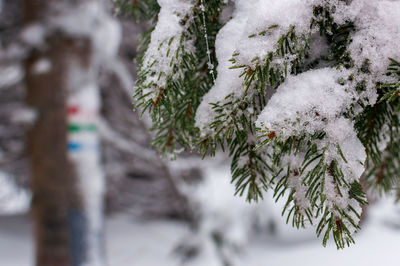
pixel 72 110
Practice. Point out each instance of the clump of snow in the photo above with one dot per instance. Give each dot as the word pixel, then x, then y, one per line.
pixel 107 37
pixel 166 41
pixel 234 38
pixel 24 116
pixel 42 66
pixel 228 80
pixel 280 13
pixel 314 102
pixel 34 34
pixel 78 21
pixel 267 21
pixel 88 19
pixel 378 33
pixel 252 33
pixel 91 19
pixel 341 132
pixel 384 138
pixel 295 183
pixel 300 104
pixel 10 75
pixel 335 201
pixel 13 200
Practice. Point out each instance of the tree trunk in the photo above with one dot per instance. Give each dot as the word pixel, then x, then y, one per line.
pixel 67 217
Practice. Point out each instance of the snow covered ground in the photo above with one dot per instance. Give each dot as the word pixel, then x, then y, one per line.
pixel 142 243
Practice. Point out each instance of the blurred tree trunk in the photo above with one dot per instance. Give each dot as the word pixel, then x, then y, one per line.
pixel 64 234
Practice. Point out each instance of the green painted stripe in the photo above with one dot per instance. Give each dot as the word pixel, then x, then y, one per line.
pixel 75 128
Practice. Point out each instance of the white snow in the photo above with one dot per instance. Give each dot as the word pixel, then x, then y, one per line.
pixel 34 34
pixel 228 80
pixel 88 19
pixel 87 162
pixel 42 66
pixel 24 116
pixel 91 19
pixel 222 211
pixel 307 103
pixel 296 183
pixel 10 75
pixel 378 33
pixel 151 243
pixel 253 32
pixel 13 200
pixel 310 103
pixel 341 131
pixel 166 42
pixel 260 16
pixel 376 38
pixel 301 105
pixel 249 17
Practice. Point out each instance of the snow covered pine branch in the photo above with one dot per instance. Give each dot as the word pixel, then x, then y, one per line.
pixel 305 98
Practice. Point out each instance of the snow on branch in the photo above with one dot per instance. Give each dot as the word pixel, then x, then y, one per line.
pixel 304 101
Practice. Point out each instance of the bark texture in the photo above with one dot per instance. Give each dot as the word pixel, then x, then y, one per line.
pixel 58 211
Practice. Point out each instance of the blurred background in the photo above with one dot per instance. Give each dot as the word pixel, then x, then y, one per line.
pixel 79 184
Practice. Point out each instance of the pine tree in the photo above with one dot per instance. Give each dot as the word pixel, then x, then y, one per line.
pixel 303 95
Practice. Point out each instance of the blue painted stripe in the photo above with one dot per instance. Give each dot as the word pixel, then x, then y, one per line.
pixel 74 146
